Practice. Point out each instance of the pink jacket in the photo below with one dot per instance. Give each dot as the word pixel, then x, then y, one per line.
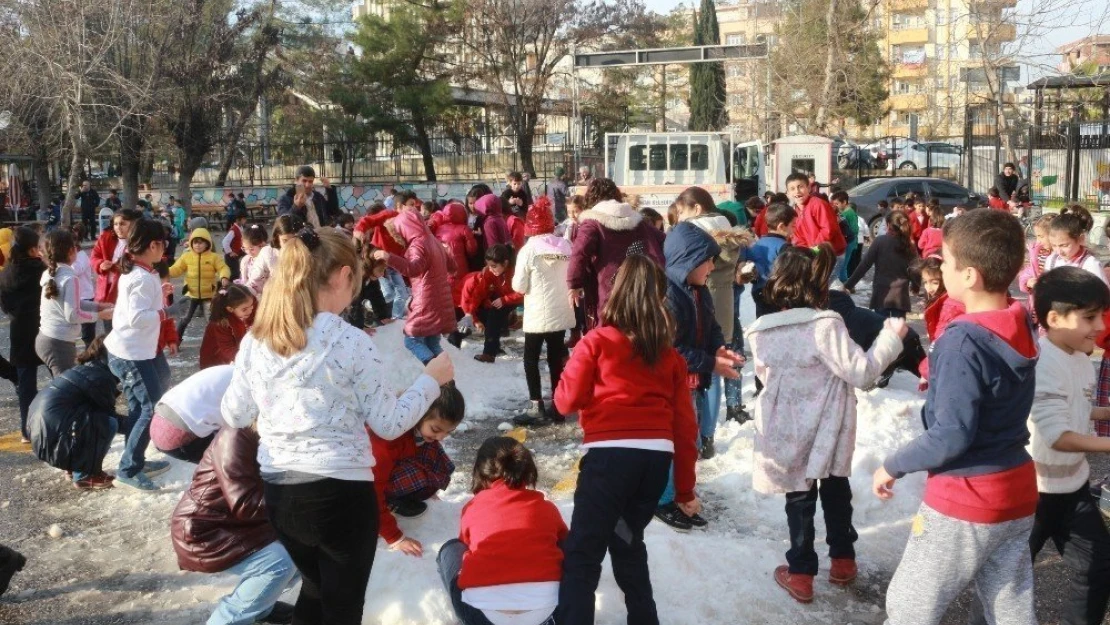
pixel 428 267
pixel 930 241
pixel 454 232
pixel 1031 271
pixel 494 227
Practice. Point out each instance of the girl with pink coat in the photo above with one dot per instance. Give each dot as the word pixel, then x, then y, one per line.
pixel 454 232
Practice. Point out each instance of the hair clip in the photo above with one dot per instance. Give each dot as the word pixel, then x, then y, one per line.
pixel 309 237
pixel 936 257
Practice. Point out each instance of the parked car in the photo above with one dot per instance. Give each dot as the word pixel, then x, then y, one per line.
pixel 935 154
pixel 867 195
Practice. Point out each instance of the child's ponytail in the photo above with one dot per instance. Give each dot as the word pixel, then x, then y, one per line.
pixel 800 277
pixel 898 225
pixel 288 307
pixel 59 247
pixel 503 458
pixel 1075 220
pixel 144 233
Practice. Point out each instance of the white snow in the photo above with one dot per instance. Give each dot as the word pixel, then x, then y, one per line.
pixel 719 575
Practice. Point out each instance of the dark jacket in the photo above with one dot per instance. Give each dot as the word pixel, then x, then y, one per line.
pixel 698 336
pixel 221 518
pixel 524 195
pixel 89 200
pixel 327 207
pixel 981 388
pixel 69 419
pixel 19 297
pixel 864 326
pixel 1006 186
pixel 890 286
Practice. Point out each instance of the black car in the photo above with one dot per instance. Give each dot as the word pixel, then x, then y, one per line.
pixel 867 195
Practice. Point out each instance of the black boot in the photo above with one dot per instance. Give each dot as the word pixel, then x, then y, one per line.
pixel 535 415
pixel 707 448
pixel 738 414
pixel 282 613
pixel 11 562
pixel 408 507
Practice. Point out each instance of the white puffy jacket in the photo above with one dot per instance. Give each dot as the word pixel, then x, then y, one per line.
pixel 541 276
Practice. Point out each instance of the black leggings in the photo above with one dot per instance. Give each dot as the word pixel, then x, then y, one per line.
pixel 330 529
pixel 194 304
pixel 556 357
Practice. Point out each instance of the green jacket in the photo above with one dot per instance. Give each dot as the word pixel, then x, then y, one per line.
pixel 849 214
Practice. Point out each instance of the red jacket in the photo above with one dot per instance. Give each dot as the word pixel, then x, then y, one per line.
pixel 516 231
pixel 167 333
pixel 943 311
pixel 998 204
pixel 379 236
pixel 617 396
pixel 428 267
pixel 512 537
pixel 386 454
pixel 918 224
pixel 482 287
pixel 760 226
pixel 221 341
pixel 929 241
pixel 454 232
pixel 107 282
pixel 818 223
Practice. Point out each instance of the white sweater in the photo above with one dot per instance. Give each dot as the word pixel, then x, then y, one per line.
pixel 1086 260
pixel 313 408
pixel 1062 403
pixel 254 271
pixel 541 276
pixel 61 316
pixel 197 399
pixel 137 317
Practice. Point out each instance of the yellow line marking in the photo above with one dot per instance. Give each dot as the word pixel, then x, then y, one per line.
pixel 520 435
pixel 12 443
pixel 569 481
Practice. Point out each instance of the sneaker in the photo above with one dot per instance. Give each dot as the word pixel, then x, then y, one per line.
pixel 24 440
pixel 843 571
pixel 11 562
pixel 485 358
pixel 884 380
pixel 798 585
pixel 139 482
pixel 672 516
pixel 282 614
pixel 154 468
pixel 707 448
pixel 456 339
pixel 97 481
pixel 408 507
pixel 534 416
pixel 555 415
pixel 697 520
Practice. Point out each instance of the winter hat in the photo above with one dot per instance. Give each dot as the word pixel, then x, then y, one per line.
pixel 539 219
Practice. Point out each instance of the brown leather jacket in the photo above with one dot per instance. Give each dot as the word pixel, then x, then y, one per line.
pixel 221 518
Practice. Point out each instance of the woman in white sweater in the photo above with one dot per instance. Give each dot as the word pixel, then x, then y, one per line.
pixel 313 383
pixel 63 306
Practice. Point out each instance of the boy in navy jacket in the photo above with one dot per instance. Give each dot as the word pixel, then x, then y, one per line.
pixel 689 251
pixel 780 220
pixel 981 493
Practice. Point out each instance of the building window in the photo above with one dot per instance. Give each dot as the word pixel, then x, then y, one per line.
pixel 735 71
pixel 736 99
pixel 734 40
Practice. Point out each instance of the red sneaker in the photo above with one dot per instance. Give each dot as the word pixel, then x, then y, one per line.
pixel 843 571
pixel 798 585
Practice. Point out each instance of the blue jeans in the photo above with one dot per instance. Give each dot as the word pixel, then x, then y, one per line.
pixel 424 348
pixel 707 424
pixel 841 261
pixel 113 427
pixel 701 407
pixel 734 389
pixel 144 382
pixel 264 575
pixel 395 290
pixel 844 274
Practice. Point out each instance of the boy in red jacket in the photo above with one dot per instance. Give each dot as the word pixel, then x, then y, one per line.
pixel 817 222
pixel 488 299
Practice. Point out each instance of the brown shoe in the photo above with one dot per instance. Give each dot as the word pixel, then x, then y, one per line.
pixel 843 571
pixel 798 585
pixel 485 358
pixel 99 481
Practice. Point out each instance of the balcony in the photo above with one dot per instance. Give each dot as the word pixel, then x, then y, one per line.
pixel 995 4
pixel 908 35
pixel 987 31
pixel 910 71
pixel 897 6
pixel 909 101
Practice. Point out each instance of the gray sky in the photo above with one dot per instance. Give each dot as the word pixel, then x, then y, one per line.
pixel 1043 25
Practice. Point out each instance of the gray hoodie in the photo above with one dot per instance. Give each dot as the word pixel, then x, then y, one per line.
pixel 61 316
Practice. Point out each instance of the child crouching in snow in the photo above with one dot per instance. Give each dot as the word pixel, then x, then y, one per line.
pixel 629 386
pixel 506 563
pixel 414 467
pixel 806 415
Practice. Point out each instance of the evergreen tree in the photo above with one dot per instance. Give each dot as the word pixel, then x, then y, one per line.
pixel 707 80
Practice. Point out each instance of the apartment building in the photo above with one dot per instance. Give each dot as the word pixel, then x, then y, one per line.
pixel 1094 51
pixel 746 81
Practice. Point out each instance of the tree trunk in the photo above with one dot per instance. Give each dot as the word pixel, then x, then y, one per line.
pixel 130 149
pixel 231 146
pixel 822 120
pixel 41 165
pixel 190 163
pixel 525 138
pixel 70 205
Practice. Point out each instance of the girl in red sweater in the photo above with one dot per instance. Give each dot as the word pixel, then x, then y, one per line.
pixel 506 564
pixel 931 238
pixel 232 314
pixel 413 467
pixel 629 385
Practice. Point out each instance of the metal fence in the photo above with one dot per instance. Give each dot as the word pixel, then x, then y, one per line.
pixel 456 159
pixel 898 156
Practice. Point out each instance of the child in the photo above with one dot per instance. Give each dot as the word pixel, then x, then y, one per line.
pixel 86 281
pixel 370 309
pixel 494 228
pixel 428 267
pixel 629 386
pixel 806 416
pixel 459 239
pixel 107 253
pixel 372 229
pixel 654 218
pixel 313 383
pixel 940 310
pixel 690 251
pixel 980 493
pixel 346 223
pixel 133 354
pixel 413 467
pixel 891 255
pixel 515 222
pixel 995 201
pixel 188 415
pixel 1036 258
pixel 541 277
pixel 73 419
pixel 517 197
pixel 260 259
pixel 575 205
pixel 1068 236
pixel 488 299
pixel 20 295
pixel 1070 305
pixel 232 242
pixel 931 237
pixel 780 228
pixel 63 307
pixel 232 314
pixel 201 267
pixel 285 227
pixel 506 562
pixel 757 211
pixel 847 211
pixel 919 219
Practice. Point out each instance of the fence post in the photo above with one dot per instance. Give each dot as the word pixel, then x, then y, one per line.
pixel 969 147
pixel 1029 159
pixel 1071 185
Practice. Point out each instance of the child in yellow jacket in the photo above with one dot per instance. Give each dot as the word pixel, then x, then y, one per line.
pixel 201 267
